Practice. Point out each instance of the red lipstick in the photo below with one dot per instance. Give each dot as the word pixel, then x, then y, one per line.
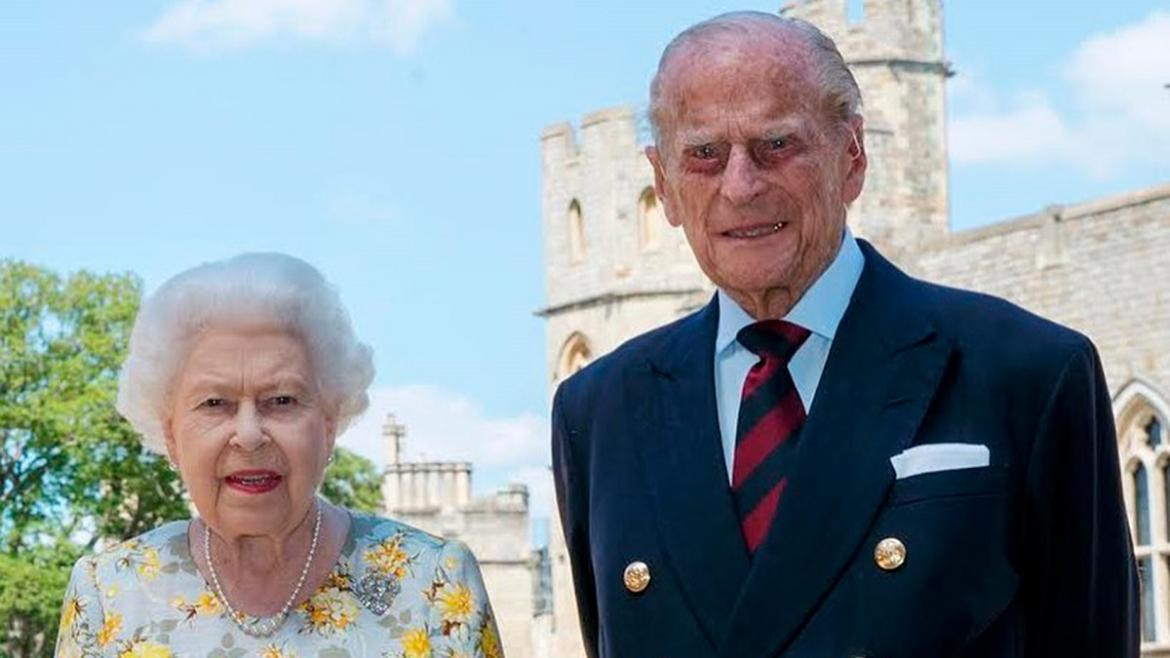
pixel 253 481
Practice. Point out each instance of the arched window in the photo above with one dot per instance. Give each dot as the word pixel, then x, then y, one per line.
pixel 1141 413
pixel 1148 614
pixel 650 219
pixel 1141 496
pixel 1166 497
pixel 575 355
pixel 576 232
pixel 1154 432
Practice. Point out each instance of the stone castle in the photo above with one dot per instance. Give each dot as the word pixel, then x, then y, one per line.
pixel 614 268
pixel 436 497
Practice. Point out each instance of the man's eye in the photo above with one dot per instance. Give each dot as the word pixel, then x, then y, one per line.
pixel 706 152
pixel 283 400
pixel 777 143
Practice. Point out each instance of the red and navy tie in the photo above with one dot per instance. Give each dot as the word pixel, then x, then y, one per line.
pixel 770 417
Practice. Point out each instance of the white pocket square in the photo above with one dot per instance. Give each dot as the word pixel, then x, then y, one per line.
pixel 934 457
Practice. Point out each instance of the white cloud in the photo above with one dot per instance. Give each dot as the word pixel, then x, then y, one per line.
pixel 1119 114
pixel 445 426
pixel 218 25
pixel 1030 132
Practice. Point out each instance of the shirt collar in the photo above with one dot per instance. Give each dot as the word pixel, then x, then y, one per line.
pixel 819 310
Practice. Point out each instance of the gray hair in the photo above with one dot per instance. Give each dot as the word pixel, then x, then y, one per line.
pixel 842 95
pixel 249 290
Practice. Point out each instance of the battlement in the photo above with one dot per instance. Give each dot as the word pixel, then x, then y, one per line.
pixel 887 32
pixel 600 133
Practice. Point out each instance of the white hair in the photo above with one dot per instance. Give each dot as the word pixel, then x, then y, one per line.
pixel 842 96
pixel 249 290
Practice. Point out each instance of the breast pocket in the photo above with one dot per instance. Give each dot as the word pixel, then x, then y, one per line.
pixel 981 480
pixel 955 575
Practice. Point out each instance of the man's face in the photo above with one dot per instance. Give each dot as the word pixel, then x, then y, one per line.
pixel 752 167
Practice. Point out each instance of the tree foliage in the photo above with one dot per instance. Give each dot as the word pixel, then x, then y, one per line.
pixel 31 587
pixel 352 481
pixel 69 463
pixel 72 471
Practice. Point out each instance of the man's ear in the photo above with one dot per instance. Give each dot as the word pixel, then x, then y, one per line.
pixel 858 161
pixel 661 185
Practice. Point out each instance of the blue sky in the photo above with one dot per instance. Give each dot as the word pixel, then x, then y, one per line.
pixel 394 144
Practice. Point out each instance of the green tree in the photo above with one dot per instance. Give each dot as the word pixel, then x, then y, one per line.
pixel 72 471
pixel 70 468
pixel 31 587
pixel 352 481
pixel 69 463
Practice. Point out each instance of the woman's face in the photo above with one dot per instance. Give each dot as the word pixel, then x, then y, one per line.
pixel 248 431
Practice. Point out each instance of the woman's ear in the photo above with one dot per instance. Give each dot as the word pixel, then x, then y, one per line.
pixel 172 449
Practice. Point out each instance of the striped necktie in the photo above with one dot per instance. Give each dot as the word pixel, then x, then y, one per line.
pixel 770 417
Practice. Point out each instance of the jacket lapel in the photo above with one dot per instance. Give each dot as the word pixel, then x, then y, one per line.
pixel 682 460
pixel 883 369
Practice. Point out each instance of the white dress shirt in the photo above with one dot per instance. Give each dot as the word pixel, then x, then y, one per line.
pixel 819 310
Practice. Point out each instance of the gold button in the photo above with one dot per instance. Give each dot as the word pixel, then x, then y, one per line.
pixel 890 553
pixel 636 577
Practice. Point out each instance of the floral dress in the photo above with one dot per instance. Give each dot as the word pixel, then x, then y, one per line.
pixel 395 592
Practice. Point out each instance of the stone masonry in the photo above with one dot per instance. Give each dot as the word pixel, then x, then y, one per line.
pixel 614 269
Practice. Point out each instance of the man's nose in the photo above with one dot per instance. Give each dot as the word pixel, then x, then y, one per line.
pixel 249 428
pixel 741 177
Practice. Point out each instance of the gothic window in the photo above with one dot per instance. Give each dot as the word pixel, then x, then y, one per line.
pixel 1154 432
pixel 1166 500
pixel 1146 575
pixel 1141 413
pixel 1141 495
pixel 650 219
pixel 576 233
pixel 575 355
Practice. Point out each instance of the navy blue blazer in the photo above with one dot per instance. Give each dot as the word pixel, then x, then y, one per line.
pixel 1030 556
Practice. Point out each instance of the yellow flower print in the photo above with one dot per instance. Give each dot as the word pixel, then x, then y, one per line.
pixel 144 649
pixel 337 580
pixel 273 651
pixel 455 604
pixel 416 643
pixel 330 611
pixel 388 558
pixel 112 591
pixel 451 562
pixel 73 609
pixel 489 641
pixel 149 565
pixel 208 604
pixel 110 629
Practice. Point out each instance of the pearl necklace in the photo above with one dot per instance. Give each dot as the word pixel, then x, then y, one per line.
pixel 261 626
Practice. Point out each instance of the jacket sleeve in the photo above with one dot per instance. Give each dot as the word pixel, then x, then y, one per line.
pixel 573 505
pixel 1080 578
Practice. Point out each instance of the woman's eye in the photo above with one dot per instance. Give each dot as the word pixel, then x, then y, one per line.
pixel 212 403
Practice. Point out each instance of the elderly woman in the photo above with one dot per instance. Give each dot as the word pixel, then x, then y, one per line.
pixel 242 373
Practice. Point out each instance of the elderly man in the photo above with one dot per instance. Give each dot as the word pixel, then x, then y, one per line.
pixel 831 458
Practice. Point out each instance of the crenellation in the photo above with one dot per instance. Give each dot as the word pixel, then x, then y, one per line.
pixel 1099 267
pixel 435 496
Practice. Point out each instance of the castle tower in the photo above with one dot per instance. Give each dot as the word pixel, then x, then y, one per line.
pixel 895 50
pixel 614 267
pixel 436 496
